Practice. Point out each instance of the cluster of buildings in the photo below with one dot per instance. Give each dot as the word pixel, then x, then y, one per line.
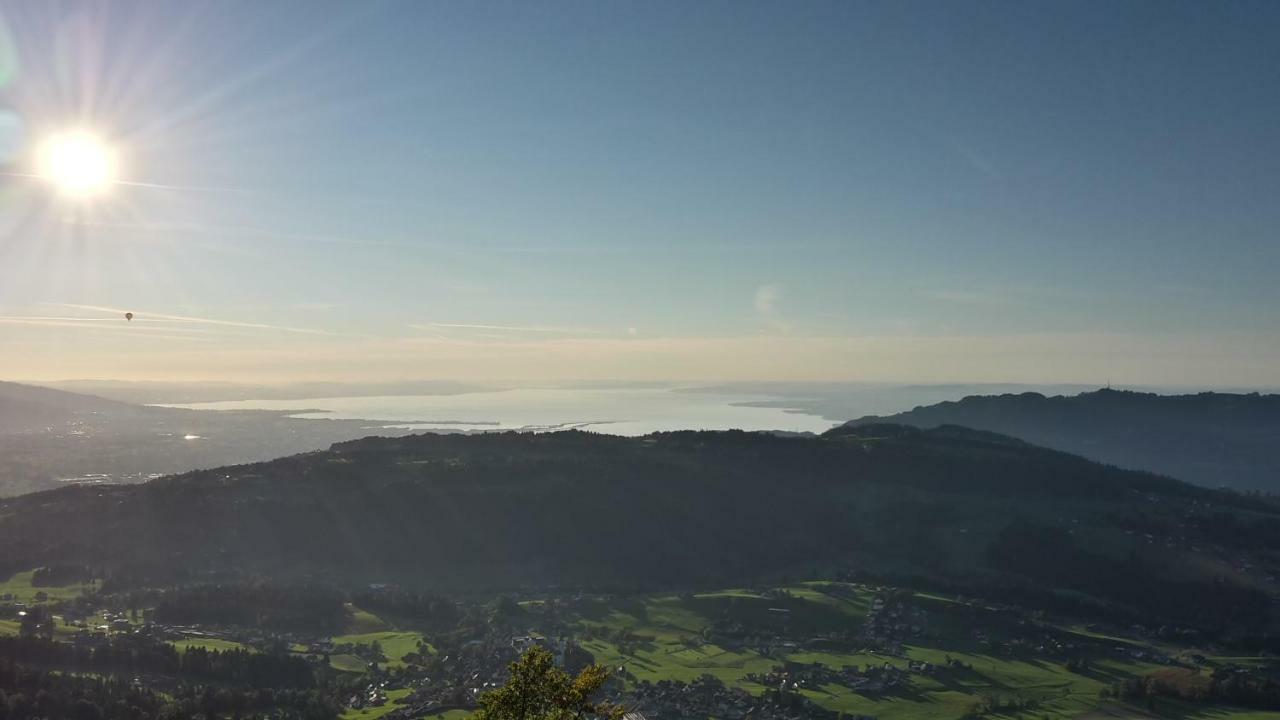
pixel 373 695
pixel 891 620
pixel 872 678
pixel 708 697
pixel 457 679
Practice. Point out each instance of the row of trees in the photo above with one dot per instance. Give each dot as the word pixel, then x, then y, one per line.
pixel 424 609
pixel 132 655
pixel 1230 686
pixel 265 605
pixel 28 693
pixel 59 575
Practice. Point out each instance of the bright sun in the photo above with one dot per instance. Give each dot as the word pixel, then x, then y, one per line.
pixel 78 163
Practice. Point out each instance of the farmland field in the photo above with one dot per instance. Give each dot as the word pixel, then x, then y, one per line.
pixel 19 586
pixel 665 637
pixel 395 645
pixel 208 644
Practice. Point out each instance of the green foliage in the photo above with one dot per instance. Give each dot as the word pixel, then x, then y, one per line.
pixel 28 585
pixel 259 604
pixel 951 509
pixel 538 690
pixel 393 646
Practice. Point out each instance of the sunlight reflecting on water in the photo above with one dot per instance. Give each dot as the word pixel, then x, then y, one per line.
pixel 615 411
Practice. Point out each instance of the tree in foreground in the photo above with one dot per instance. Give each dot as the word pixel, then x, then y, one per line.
pixel 538 690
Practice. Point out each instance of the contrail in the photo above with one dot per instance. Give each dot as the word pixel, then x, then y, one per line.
pixel 103 320
pixel 203 321
pixel 192 188
pixel 512 328
pixel 218 230
pixel 139 184
pixel 166 333
pixel 46 318
pixel 98 323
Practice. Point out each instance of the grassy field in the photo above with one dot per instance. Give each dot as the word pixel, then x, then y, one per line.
pixel 368 713
pixel 392 698
pixel 665 642
pixel 395 645
pixel 664 637
pixel 60 630
pixel 19 585
pixel 363 621
pixel 667 631
pixel 366 628
pixel 347 663
pixel 208 644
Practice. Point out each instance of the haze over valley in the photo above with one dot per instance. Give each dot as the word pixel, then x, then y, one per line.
pixel 697 360
pixel 56 437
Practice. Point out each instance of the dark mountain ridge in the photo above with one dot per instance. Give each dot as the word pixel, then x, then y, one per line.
pixel 494 511
pixel 1211 439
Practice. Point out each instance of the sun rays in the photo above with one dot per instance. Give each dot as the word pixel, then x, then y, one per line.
pixel 108 121
pixel 78 163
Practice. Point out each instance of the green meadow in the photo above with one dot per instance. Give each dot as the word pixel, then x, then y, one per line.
pixel 662 637
pixel 366 628
pixel 395 645
pixel 19 586
pixel 208 644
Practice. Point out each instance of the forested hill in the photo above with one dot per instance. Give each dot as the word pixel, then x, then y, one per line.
pixel 1212 439
pixel 960 507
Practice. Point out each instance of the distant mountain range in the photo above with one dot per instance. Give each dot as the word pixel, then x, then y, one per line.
pixel 25 408
pixel 49 437
pixel 1211 439
pixel 969 510
pixel 178 393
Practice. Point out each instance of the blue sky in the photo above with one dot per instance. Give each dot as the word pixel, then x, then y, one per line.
pixel 1045 192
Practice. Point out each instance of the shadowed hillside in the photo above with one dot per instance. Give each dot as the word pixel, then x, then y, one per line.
pixel 1212 439
pixel 957 507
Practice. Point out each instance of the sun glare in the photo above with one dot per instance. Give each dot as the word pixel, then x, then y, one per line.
pixel 77 163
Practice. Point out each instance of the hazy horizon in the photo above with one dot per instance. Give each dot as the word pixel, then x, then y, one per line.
pixel 435 386
pixel 723 359
pixel 877 191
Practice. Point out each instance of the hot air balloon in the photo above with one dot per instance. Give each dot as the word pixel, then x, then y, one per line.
pixel 128 316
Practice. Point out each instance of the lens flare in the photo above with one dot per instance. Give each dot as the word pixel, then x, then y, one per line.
pixel 77 163
pixel 10 136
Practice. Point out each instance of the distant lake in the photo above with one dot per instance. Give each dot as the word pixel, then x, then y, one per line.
pixel 617 411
